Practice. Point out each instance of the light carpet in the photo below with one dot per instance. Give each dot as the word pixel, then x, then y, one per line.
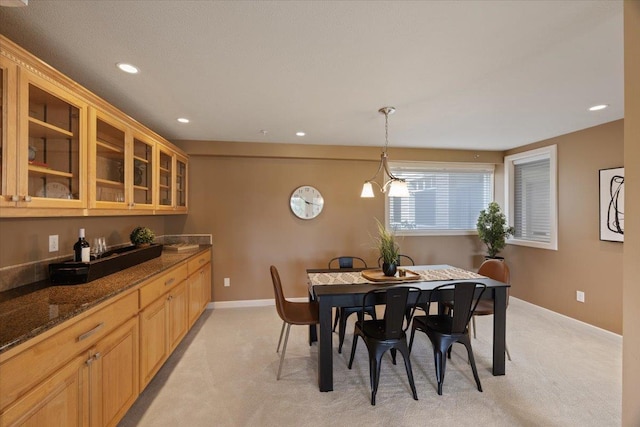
pixel 563 373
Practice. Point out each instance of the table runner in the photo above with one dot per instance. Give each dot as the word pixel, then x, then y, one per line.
pixel 355 277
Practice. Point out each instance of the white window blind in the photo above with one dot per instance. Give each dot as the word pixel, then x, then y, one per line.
pixel 531 197
pixel 444 198
pixel 532 201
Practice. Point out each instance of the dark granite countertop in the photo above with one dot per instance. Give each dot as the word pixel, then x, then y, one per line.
pixel 32 309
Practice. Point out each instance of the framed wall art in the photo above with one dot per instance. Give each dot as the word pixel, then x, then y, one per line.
pixel 612 204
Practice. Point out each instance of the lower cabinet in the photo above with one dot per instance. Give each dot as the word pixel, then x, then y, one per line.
pixel 90 370
pixel 95 388
pixel 62 399
pixel 163 324
pixel 113 375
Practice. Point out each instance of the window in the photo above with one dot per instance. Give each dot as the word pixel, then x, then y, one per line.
pixel 446 198
pixel 530 189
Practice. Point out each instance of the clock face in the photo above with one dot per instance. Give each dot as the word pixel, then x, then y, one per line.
pixel 306 202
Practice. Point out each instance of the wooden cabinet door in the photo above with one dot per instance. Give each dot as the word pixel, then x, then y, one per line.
pixel 114 375
pixel 60 400
pixel 196 295
pixel 178 314
pixel 154 347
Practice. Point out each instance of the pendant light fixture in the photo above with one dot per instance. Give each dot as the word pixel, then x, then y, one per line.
pixel 397 187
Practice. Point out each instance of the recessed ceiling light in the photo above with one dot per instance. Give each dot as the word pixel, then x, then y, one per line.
pixel 300 133
pixel 183 120
pixel 598 107
pixel 128 68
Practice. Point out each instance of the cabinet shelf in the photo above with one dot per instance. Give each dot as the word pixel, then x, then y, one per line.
pixel 46 171
pixel 40 129
pixel 164 187
pixel 141 159
pixel 140 187
pixel 109 183
pixel 164 170
pixel 109 146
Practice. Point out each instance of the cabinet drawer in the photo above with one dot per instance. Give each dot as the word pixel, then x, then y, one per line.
pixel 162 284
pixel 199 261
pixel 24 370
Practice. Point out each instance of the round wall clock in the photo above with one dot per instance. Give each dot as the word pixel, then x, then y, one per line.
pixel 306 202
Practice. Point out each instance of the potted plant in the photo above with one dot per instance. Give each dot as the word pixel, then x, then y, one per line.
pixel 389 250
pixel 492 229
pixel 142 236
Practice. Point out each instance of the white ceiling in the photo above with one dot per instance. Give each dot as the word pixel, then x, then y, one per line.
pixel 489 75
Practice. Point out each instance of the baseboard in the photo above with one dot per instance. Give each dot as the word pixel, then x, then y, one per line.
pixel 567 317
pixel 249 303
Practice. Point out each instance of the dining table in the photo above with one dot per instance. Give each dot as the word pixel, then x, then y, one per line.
pixel 333 288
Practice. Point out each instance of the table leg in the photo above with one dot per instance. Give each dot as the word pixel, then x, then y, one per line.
pixel 325 354
pixel 499 330
pixel 313 334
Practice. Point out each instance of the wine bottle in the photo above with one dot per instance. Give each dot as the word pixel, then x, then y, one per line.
pixel 81 249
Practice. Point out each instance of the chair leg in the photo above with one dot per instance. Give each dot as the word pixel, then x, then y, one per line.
pixel 441 363
pixel 341 331
pixel 375 377
pixel 407 366
pixel 353 349
pixel 284 350
pixel 281 333
pixel 393 355
pixel 473 320
pixel 472 361
pixel 335 322
pixel 413 332
pixel 506 349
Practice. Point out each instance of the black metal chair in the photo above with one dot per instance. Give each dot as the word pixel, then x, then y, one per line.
pixel 385 334
pixel 342 313
pixel 445 329
pixel 347 262
pixel 402 260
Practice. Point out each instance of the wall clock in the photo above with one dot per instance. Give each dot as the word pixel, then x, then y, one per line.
pixel 306 202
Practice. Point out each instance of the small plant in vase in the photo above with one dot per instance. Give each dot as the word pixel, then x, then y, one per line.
pixel 142 236
pixel 492 229
pixel 389 250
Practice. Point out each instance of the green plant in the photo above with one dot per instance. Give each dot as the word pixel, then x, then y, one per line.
pixel 492 229
pixel 386 244
pixel 141 235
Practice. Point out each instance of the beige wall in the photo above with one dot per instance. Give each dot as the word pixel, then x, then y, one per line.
pixel 631 287
pixel 243 202
pixel 582 262
pixel 24 240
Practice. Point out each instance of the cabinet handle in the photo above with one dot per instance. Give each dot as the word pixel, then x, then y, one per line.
pixel 27 198
pixel 170 298
pixel 91 332
pixel 15 198
pixel 97 356
pixel 170 281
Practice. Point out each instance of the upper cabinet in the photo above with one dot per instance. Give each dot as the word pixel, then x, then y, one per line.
pixel 66 151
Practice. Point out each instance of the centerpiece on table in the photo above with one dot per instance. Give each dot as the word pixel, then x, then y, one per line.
pixel 493 230
pixel 389 249
pixel 142 236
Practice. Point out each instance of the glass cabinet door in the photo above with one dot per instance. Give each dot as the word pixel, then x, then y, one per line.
pixel 110 149
pixel 54 125
pixel 165 183
pixel 8 143
pixel 181 183
pixel 142 174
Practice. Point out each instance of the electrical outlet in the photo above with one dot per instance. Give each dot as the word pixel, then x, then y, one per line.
pixel 227 282
pixel 53 243
pixel 580 296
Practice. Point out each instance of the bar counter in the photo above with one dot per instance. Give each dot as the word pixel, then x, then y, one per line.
pixel 33 309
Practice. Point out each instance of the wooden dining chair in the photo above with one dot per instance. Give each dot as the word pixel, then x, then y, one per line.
pixel 291 313
pixel 388 333
pixel 343 313
pixel 444 330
